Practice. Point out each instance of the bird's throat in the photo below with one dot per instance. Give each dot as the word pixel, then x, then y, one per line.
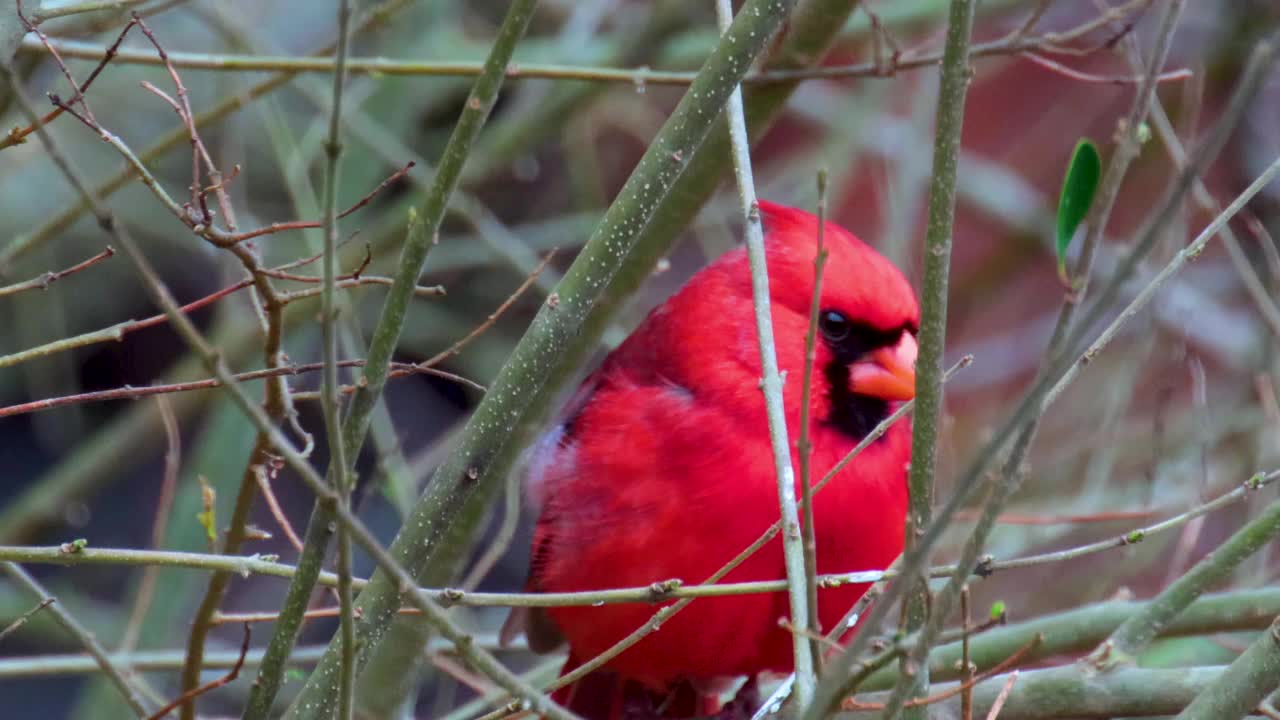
pixel 853 415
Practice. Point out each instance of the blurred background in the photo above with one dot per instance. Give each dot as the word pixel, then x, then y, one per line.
pixel 1182 407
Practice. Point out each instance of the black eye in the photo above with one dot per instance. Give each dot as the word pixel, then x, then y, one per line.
pixel 835 325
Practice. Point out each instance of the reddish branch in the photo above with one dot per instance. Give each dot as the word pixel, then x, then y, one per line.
pixel 1027 519
pixel 134 393
pixel 311 224
pixel 24 617
pixel 493 316
pixel 192 694
pixel 18 136
pixel 427 367
pixel 1055 66
pixel 44 281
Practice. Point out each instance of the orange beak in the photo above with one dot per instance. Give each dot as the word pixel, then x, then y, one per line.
pixel 888 373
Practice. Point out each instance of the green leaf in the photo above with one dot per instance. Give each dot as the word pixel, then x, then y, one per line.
pixel 1078 189
pixel 997 609
pixel 208 517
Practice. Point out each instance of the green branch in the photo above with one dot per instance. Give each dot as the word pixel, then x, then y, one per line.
pixel 933 321
pixel 43 14
pixel 1075 692
pixel 386 335
pixel 1138 631
pixel 1078 630
pixel 1058 369
pixel 479 659
pixel 340 461
pixel 435 536
pixel 1011 475
pixel 1244 684
pixel 116 675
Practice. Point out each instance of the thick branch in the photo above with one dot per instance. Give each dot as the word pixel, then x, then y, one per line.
pixel 933 318
pixel 1244 684
pixel 519 399
pixel 1138 631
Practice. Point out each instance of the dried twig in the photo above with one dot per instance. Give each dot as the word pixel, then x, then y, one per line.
pixel 398 370
pixel 1057 67
pixel 1007 688
pixel 188 696
pixel 118 676
pixel 967 685
pixel 1015 43
pixel 42 282
pixel 455 348
pixel 22 619
pixel 264 486
pixel 164 505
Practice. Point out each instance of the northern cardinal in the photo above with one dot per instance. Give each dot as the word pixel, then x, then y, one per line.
pixel 662 469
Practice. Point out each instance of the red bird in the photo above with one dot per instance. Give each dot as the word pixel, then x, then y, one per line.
pixel 663 469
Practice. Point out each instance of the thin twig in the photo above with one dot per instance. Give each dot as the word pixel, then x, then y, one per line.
pixel 804 447
pixel 42 282
pixel 192 694
pixel 1044 42
pixel 497 548
pixel 398 370
pixel 59 11
pixel 1005 689
pixel 62 66
pixel 1057 67
pixel 771 384
pixel 421 237
pixel 277 227
pixel 264 486
pixel 475 332
pixel 1033 402
pixel 966 665
pixel 277 441
pixel 1123 646
pixel 116 332
pixel 23 618
pixel 116 675
pixel 168 660
pixel 340 471
pixel 1015 518
pixel 1139 534
pixel 164 505
pixel 1266 304
pixel 658 592
pixel 963 688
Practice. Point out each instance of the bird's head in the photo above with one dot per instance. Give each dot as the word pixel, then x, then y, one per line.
pixel 704 337
pixel 864 357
